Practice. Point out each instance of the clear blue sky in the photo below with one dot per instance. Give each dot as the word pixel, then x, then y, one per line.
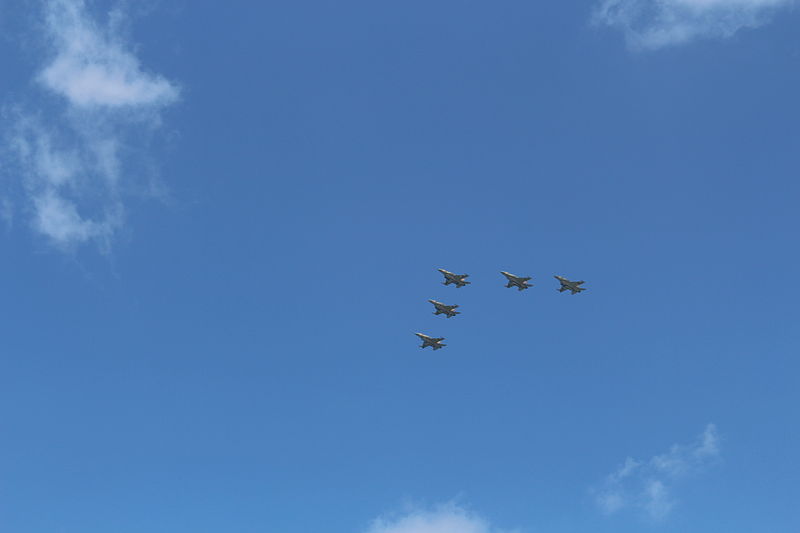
pixel 217 333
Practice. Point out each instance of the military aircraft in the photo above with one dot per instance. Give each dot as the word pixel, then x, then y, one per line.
pixel 516 281
pixel 448 310
pixel 567 285
pixel 436 343
pixel 458 279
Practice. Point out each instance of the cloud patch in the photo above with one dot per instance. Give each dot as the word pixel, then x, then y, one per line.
pixel 654 24
pixel 92 67
pixel 73 154
pixel 646 485
pixel 448 518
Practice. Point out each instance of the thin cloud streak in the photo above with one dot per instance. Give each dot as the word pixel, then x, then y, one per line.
pixel 7 212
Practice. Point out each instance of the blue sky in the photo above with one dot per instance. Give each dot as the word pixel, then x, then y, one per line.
pixel 221 227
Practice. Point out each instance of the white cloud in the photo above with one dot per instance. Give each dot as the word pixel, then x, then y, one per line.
pixel 449 518
pixel 657 501
pixel 71 161
pixel 610 501
pixel 69 176
pixel 92 67
pixel 58 218
pixel 646 485
pixel 709 444
pixel 652 24
pixel 626 469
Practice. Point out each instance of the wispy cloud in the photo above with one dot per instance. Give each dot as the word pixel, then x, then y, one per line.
pixel 646 485
pixel 448 518
pixel 7 212
pixel 652 24
pixel 71 160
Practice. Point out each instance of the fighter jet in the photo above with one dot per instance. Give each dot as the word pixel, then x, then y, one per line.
pixel 441 308
pixel 458 279
pixel 516 281
pixel 567 285
pixel 436 343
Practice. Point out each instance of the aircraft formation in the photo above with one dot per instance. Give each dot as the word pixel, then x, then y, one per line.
pixel 459 280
